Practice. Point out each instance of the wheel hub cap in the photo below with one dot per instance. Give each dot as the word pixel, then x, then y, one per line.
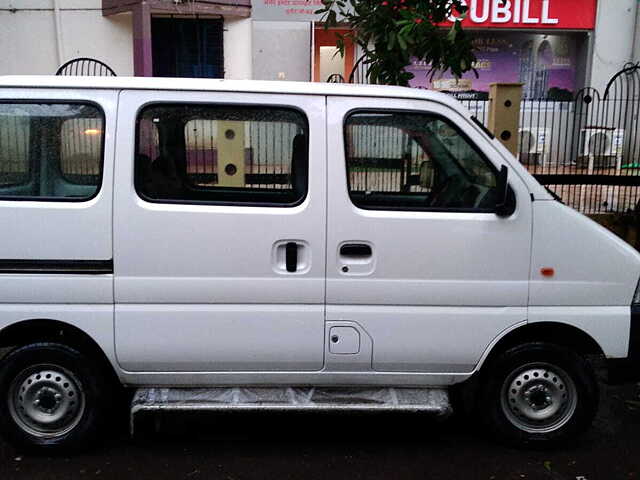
pixel 46 401
pixel 539 398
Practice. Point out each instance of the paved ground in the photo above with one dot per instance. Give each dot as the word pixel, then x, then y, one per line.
pixel 320 446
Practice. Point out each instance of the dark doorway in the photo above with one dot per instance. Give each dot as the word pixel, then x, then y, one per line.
pixel 187 47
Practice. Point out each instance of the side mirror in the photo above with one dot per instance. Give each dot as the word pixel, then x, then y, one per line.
pixel 504 202
pixel 426 174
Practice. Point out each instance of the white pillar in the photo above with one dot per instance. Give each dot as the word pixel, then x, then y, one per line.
pixel 237 48
pixel 614 39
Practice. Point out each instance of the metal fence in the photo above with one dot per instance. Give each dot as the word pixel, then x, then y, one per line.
pixel 267 146
pixel 382 159
pixel 85 67
pixel 268 152
pixel 586 149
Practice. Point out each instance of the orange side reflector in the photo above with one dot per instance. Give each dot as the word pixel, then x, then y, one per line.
pixel 547 271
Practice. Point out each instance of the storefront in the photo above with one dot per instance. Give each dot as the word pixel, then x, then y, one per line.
pixel 543 44
pixel 554 47
pixel 551 65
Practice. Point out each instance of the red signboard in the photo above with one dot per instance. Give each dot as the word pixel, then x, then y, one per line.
pixel 537 14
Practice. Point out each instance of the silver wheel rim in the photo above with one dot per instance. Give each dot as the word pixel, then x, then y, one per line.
pixel 539 398
pixel 46 401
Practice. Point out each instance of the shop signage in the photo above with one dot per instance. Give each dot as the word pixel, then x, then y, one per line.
pixel 529 14
pixel 286 10
pixel 537 14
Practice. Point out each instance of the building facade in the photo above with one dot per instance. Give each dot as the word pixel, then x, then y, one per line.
pixel 554 47
pixel 134 37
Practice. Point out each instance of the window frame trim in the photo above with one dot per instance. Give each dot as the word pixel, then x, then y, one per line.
pixel 33 198
pixel 222 203
pixel 447 120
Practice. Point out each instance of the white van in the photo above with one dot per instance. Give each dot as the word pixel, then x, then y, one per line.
pixel 289 246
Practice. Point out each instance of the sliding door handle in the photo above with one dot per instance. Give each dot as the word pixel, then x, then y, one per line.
pixel 291 256
pixel 356 250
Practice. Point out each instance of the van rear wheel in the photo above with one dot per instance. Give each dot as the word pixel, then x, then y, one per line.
pixel 52 397
pixel 538 394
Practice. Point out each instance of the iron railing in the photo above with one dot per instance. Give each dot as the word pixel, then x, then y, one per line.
pixel 586 149
pixel 335 78
pixel 86 67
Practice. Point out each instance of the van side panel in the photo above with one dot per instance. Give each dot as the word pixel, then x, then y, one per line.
pixel 201 286
pixel 593 267
pixel 595 276
pixel 607 325
pixel 430 339
pixel 269 337
pixel 439 285
pixel 56 256
pixel 61 230
pixel 94 320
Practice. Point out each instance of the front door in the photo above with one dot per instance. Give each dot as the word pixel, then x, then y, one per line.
pixel 416 255
pixel 219 232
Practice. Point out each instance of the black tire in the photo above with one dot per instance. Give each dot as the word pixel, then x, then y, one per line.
pixel 79 394
pixel 523 386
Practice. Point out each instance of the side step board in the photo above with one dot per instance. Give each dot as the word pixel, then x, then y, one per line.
pixel 434 401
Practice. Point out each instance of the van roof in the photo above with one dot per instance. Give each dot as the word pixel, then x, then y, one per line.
pixel 249 86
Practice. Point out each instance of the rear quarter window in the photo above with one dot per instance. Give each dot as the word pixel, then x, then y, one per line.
pixel 50 151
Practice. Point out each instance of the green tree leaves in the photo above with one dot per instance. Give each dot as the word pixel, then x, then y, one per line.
pixel 392 32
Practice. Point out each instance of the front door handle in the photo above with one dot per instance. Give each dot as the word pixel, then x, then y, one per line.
pixel 356 250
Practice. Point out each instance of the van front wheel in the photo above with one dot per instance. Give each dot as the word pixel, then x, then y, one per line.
pixel 540 394
pixel 52 397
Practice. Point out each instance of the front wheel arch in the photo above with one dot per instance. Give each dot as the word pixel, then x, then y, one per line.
pixel 557 333
pixel 560 334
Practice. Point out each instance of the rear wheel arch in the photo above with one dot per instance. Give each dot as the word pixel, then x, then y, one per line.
pixel 47 330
